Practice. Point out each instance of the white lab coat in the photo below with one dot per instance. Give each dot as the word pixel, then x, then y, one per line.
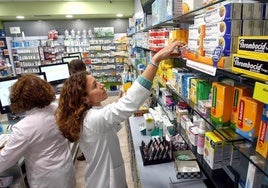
pixel 99 141
pixel 46 152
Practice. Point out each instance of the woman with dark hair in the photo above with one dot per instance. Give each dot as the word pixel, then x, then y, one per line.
pixel 81 117
pixel 36 137
pixel 76 65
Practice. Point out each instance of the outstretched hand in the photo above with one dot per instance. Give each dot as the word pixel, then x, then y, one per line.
pixel 168 51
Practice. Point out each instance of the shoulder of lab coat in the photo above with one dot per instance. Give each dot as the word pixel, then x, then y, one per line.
pixel 106 118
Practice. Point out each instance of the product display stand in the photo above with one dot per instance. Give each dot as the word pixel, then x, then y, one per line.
pixel 158 175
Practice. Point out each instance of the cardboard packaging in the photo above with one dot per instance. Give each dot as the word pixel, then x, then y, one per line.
pixel 224 12
pixel 252 27
pixel 213 150
pixel 256 67
pixel 261 92
pixel 190 5
pixel 253 11
pixel 225 28
pixel 262 143
pixel 222 95
pixel 238 93
pixel 249 118
pixel 253 46
pixel 227 44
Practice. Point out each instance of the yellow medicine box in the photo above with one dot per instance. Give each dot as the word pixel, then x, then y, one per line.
pixel 213 150
pixel 253 46
pixel 253 66
pixel 261 92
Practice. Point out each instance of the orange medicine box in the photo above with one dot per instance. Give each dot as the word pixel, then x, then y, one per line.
pixel 222 95
pixel 238 93
pixel 249 118
pixel 262 143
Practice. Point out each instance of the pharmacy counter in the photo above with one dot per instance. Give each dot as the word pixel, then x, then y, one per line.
pixel 158 175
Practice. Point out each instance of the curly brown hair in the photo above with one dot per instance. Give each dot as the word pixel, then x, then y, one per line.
pixel 30 92
pixel 72 108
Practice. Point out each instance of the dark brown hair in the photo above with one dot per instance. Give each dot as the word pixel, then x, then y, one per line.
pixel 30 92
pixel 71 110
pixel 76 65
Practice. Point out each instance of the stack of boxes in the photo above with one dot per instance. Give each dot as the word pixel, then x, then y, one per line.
pixel 252 57
pixel 222 26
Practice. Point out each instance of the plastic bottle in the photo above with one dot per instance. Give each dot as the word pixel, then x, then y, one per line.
pixel 201 137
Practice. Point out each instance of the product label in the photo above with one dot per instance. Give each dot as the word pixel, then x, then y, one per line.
pixel 256 66
pixel 214 100
pixel 235 101
pixel 262 135
pixel 241 114
pixel 254 45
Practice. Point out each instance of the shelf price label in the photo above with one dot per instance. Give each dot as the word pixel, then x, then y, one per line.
pixel 208 69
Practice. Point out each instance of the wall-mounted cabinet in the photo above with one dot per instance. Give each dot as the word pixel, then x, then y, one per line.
pixel 51 51
pixel 26 57
pixel 5 65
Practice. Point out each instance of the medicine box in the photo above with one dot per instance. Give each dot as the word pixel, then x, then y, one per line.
pixel 254 11
pixel 224 12
pixel 253 46
pixel 228 45
pixel 262 143
pixel 239 91
pixel 252 27
pixel 173 8
pixel 199 20
pixel 224 28
pixel 256 67
pixel 222 95
pixel 195 45
pixel 261 92
pixel 249 118
pixel 213 150
pixel 196 31
pixel 190 5
pixel 203 107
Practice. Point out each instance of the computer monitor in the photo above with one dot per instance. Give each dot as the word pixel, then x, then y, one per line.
pixel 55 73
pixel 69 59
pixel 75 54
pixel 41 75
pixel 5 88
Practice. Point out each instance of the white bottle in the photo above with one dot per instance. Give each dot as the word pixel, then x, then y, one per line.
pixel 201 137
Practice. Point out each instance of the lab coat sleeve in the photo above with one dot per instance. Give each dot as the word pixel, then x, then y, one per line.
pixel 14 149
pixel 113 114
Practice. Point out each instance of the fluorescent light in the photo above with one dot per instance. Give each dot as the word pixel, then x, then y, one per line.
pixel 119 15
pixel 20 17
pixel 69 16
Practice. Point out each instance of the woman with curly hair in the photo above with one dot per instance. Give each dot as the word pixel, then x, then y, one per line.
pixel 81 117
pixel 36 137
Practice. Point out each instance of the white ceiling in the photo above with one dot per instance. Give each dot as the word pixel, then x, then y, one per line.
pixel 58 9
